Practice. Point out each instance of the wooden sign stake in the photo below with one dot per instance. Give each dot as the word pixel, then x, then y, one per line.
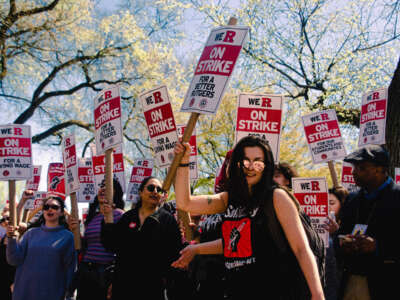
pixel 11 197
pixel 333 174
pixel 74 213
pixel 109 182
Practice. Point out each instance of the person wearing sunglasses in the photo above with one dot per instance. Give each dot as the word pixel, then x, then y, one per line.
pixel 258 217
pixel 44 256
pixel 146 241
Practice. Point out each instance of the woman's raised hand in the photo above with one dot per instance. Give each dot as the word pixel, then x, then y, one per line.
pixel 183 147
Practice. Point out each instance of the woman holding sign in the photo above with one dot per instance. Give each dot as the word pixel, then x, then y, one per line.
pixel 251 205
pixel 92 280
pixel 146 241
pixel 44 256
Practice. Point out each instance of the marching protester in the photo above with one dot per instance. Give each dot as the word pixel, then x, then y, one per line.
pixel 146 241
pixel 284 173
pixel 45 257
pixel 92 279
pixel 370 251
pixel 336 198
pixel 257 218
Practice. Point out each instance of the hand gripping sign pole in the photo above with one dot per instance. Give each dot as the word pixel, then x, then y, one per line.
pixel 183 216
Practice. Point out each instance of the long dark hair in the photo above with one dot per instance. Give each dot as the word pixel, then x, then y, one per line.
pixel 61 220
pixel 117 200
pixel 288 171
pixel 141 188
pixel 238 192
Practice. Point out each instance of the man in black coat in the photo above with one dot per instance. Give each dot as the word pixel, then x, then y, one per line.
pixel 368 236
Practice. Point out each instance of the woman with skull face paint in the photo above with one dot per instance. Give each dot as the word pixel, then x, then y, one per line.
pixel 146 240
pixel 252 258
pixel 44 256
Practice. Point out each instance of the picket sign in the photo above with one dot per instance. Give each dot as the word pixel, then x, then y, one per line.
pixel 324 139
pixel 72 181
pixel 108 134
pixel 373 117
pixel 15 160
pixel 183 216
pixel 87 190
pixel 33 183
pixel 142 168
pixel 56 180
pixel 260 115
pixel 161 125
pixel 312 194
pixel 347 177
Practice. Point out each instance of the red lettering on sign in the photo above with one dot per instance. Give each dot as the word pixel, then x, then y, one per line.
pixel 157 97
pixel 266 102
pixel 315 185
pixel 107 95
pixel 229 36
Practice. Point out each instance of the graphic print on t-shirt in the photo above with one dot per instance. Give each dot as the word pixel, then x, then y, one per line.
pixel 237 238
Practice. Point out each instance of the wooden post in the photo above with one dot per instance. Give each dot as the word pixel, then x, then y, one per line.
pixel 75 215
pixel 177 158
pixel 11 202
pixel 25 215
pixel 109 182
pixel 182 215
pixel 335 181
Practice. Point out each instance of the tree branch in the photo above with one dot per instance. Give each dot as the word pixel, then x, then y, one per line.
pixel 54 131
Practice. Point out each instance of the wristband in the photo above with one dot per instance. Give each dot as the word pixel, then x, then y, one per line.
pixel 184 165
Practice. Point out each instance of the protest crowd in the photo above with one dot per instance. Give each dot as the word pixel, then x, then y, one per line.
pixel 265 233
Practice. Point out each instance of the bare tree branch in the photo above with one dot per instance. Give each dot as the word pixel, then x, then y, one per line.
pixel 54 131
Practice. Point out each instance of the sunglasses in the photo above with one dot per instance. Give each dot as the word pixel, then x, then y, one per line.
pixel 152 187
pixel 52 206
pixel 4 219
pixel 258 165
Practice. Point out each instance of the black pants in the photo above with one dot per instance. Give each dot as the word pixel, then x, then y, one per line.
pixel 92 281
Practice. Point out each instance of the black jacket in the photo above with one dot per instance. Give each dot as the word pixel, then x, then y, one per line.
pixel 143 253
pixel 383 213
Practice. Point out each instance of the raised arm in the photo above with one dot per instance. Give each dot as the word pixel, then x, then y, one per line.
pixel 199 204
pixel 289 219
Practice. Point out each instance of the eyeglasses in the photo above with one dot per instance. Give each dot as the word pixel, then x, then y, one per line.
pixel 4 219
pixel 52 206
pixel 258 165
pixel 152 187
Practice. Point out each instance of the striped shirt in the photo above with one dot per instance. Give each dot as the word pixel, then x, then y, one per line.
pixel 95 251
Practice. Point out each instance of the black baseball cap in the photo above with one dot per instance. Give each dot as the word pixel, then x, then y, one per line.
pixel 372 153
